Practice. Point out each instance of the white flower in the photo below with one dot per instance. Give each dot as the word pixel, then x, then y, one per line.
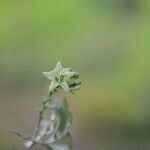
pixel 60 77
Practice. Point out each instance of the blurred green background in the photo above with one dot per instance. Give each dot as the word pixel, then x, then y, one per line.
pixel 106 41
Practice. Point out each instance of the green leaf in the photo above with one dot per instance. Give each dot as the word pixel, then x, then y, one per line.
pixel 64 143
pixel 65 117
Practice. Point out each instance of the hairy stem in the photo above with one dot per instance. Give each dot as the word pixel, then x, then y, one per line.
pixel 42 111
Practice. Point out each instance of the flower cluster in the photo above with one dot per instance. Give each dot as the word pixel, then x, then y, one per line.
pixel 65 78
pixel 55 118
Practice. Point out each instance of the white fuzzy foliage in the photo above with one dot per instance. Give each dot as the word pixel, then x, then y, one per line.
pixel 53 131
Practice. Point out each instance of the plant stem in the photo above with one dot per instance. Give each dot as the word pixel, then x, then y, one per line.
pixel 42 111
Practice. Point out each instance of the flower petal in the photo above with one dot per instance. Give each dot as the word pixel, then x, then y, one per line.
pixel 65 86
pixel 49 75
pixel 66 70
pixel 58 68
pixel 53 86
pixel 68 75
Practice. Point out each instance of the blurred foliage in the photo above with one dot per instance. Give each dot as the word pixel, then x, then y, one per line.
pixel 107 40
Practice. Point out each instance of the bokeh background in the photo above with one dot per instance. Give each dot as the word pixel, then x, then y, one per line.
pixel 106 41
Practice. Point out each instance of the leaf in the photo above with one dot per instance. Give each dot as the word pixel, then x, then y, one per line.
pixel 28 144
pixel 64 143
pixel 65 115
pixel 65 119
pixel 42 129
